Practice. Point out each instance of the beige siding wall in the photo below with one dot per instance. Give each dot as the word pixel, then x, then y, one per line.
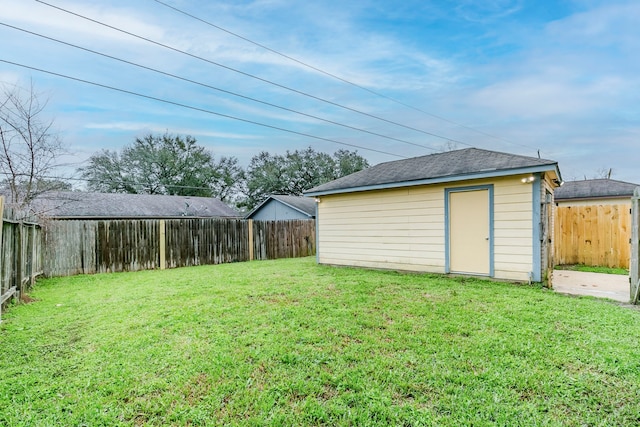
pixel 513 233
pixel 396 229
pixel 405 228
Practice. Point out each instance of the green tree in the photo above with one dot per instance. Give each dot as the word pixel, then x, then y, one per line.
pixel 163 164
pixel 348 162
pixel 297 171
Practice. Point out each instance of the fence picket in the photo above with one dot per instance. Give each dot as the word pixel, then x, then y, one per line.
pixel 596 235
pixel 64 248
pixel 20 260
pixel 74 247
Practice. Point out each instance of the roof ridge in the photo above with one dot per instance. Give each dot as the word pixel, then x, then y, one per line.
pixel 465 163
pixel 601 179
pixel 538 159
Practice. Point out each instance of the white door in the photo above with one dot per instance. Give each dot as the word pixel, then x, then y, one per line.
pixel 469 228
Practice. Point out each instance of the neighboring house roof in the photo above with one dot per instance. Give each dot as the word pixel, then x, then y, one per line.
pixel 81 205
pixel 594 189
pixel 304 205
pixel 450 166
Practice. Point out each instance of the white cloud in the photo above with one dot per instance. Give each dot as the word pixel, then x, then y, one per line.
pixel 565 71
pixel 541 95
pixel 9 78
pixel 39 15
pixel 613 23
pixel 155 128
pixel 487 10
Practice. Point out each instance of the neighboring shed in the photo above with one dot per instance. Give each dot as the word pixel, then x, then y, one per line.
pixel 470 211
pixel 280 207
pixel 593 222
pixel 594 191
pixel 82 205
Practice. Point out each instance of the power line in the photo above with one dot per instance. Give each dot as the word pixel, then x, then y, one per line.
pixel 216 88
pixel 203 110
pixel 334 76
pixel 254 76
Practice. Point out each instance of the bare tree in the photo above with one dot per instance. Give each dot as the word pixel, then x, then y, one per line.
pixel 29 147
pixel 448 146
pixel 603 173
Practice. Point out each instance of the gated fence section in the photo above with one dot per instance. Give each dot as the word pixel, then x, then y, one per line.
pixel 596 235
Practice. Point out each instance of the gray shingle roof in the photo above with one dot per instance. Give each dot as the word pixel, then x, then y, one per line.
pixel 442 166
pixel 594 188
pixel 303 204
pixel 116 206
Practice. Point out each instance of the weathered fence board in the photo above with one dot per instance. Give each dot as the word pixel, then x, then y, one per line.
pixel 76 247
pixel 284 239
pixel 21 254
pixel 206 241
pixel 70 247
pixel 126 245
pixel 596 235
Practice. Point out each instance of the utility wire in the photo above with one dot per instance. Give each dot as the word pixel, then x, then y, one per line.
pixel 216 88
pixel 334 76
pixel 254 76
pixel 203 110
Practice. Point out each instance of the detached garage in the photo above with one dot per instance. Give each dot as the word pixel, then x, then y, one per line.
pixel 471 211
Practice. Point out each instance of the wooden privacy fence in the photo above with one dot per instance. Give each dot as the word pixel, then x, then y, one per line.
pixel 596 235
pixel 21 254
pixel 84 247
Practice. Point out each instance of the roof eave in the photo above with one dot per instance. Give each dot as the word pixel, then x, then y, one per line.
pixel 443 179
pixel 582 198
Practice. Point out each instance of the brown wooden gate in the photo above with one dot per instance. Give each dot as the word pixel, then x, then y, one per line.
pixel 596 235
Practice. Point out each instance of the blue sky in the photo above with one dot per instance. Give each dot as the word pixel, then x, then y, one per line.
pixel 561 77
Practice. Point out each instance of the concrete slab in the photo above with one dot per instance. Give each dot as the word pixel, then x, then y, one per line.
pixel 612 286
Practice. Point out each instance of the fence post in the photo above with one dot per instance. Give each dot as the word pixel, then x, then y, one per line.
pixel 163 245
pixel 250 227
pixel 634 265
pixel 32 244
pixel 18 260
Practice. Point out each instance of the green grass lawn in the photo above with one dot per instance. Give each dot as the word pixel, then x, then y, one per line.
pixel 288 342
